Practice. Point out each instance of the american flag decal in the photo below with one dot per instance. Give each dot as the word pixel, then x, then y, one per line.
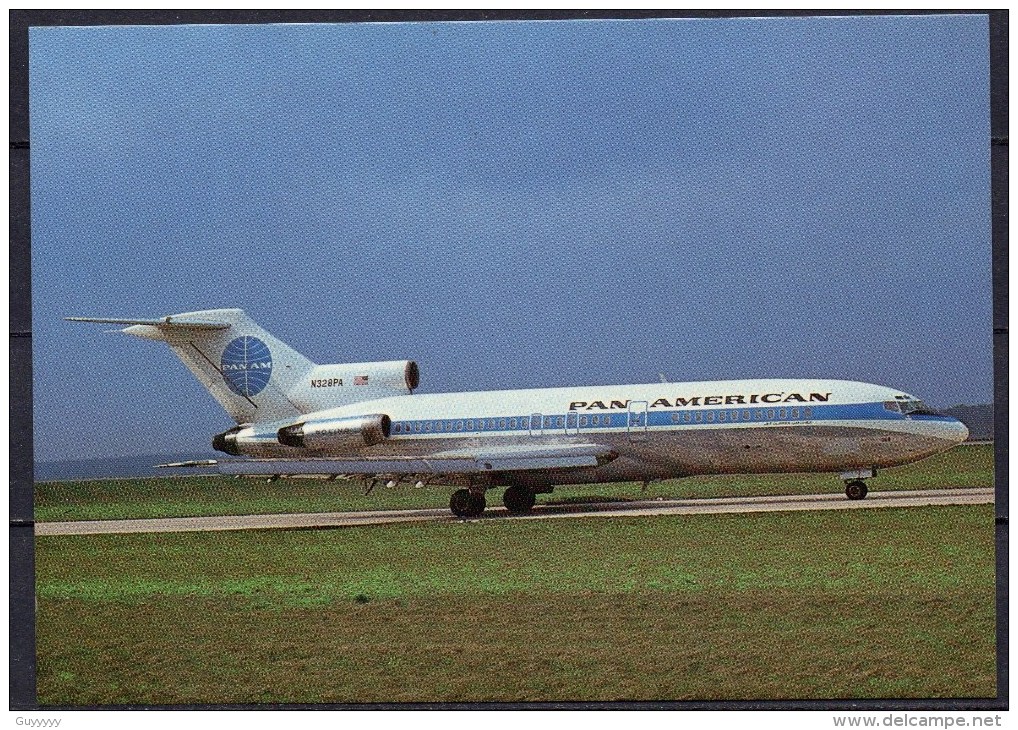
pixel 360 380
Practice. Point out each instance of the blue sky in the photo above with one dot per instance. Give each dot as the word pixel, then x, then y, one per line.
pixel 512 204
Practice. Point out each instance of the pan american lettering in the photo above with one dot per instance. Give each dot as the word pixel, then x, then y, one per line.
pixel 709 400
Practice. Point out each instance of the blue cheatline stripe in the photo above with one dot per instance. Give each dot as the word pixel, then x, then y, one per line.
pixel 620 419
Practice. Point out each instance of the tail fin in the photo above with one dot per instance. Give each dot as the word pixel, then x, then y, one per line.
pixel 246 369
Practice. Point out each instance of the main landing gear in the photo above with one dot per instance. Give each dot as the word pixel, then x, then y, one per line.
pixel 856 489
pixel 518 500
pixel 465 503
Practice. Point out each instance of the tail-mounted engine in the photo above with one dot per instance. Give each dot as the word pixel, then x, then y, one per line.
pixel 333 386
pixel 227 441
pixel 337 433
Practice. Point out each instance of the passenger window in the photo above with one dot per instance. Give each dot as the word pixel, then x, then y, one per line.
pixel 583 420
pixel 807 413
pixel 491 423
pixel 710 416
pixel 417 427
pixel 459 425
pixel 687 416
pixel 470 425
pixel 721 415
pixel 438 426
pixel 699 417
pixel 560 422
pixel 747 416
pixel 770 414
pixel 735 415
pixel 675 418
pixel 795 414
pixel 782 413
pixel 512 423
pixel 501 423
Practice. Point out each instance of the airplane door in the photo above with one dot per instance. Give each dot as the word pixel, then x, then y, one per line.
pixel 536 429
pixel 638 420
pixel 572 422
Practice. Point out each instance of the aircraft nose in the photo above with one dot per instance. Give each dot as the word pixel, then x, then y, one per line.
pixel 955 431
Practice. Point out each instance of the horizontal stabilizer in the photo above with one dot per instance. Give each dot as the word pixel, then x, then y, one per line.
pixel 167 322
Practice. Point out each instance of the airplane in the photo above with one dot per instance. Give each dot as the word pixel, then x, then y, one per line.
pixel 363 420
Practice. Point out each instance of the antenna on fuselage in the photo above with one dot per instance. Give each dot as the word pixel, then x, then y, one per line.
pixel 663 378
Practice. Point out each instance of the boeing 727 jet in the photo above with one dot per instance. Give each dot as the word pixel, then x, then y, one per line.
pixel 294 417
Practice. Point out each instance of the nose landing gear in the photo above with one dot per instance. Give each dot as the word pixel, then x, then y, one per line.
pixel 856 489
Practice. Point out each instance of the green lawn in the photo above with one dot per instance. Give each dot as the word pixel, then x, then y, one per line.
pixel 966 466
pixel 863 603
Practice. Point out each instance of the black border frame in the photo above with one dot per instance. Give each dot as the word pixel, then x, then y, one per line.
pixel 21 524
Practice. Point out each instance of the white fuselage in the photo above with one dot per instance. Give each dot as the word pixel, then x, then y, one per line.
pixel 659 431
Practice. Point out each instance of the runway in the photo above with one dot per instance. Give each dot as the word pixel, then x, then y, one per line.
pixel 642 508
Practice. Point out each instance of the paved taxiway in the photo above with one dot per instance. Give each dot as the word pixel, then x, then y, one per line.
pixel 643 508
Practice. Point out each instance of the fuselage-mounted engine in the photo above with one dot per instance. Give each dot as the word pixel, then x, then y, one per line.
pixel 337 434
pixel 332 436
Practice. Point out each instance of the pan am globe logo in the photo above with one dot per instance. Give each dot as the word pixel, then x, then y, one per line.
pixel 247 365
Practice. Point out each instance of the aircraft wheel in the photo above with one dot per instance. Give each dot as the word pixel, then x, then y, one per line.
pixel 518 500
pixel 460 503
pixel 856 489
pixel 464 504
pixel 477 504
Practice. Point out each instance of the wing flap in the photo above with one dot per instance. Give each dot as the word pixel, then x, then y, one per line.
pixel 566 456
pixel 400 466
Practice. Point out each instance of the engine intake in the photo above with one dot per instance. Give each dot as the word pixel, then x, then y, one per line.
pixel 412 374
pixel 351 432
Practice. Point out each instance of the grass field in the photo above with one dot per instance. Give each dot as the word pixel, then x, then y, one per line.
pixel 966 466
pixel 862 603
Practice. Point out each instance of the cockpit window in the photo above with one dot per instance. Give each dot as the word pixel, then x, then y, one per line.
pixel 891 405
pixel 916 408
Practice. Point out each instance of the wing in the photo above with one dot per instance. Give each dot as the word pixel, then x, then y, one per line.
pixel 454 465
